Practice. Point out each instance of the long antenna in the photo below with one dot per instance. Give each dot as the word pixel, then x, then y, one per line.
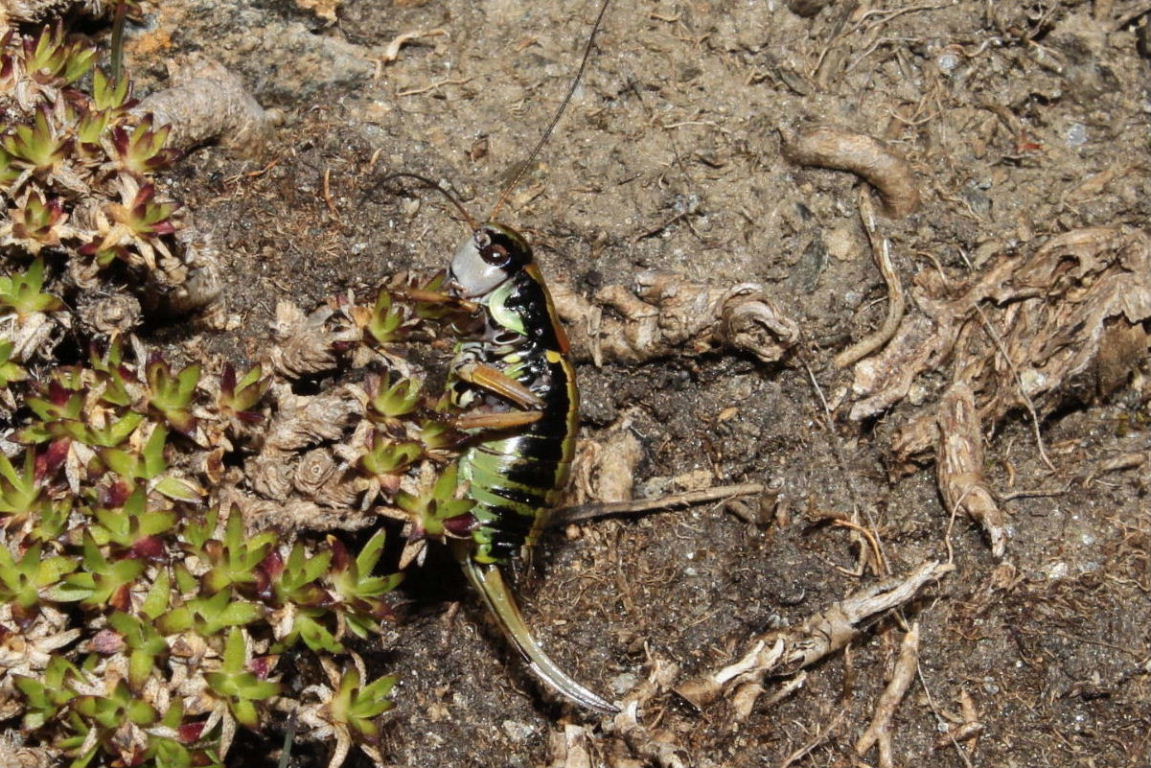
pixel 436 186
pixel 507 190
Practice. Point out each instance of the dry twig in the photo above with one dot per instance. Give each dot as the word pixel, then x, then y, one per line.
pixel 786 651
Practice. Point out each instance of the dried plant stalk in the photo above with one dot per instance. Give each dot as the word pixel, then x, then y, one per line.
pixel 664 314
pixel 959 465
pixel 786 651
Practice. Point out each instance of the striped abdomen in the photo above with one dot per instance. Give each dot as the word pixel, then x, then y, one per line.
pixel 516 480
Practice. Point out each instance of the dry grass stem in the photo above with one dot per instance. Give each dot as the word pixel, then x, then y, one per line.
pixel 820 737
pixel 593 511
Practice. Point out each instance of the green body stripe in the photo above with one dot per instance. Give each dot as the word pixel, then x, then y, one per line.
pixel 501 314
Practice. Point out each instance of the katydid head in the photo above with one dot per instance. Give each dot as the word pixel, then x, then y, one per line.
pixel 491 256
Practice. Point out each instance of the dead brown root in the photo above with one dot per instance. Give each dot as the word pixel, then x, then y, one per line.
pixel 649 743
pixel 664 314
pixel 959 465
pixel 896 301
pixel 1066 321
pixel 1065 324
pixel 878 732
pixel 866 157
pixel 784 652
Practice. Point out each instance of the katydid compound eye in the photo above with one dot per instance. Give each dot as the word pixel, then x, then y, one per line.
pixel 493 253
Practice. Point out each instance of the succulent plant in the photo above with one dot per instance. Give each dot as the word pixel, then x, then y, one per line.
pixel 77 172
pixel 150 576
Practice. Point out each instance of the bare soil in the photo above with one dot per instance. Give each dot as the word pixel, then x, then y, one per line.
pixel 669 158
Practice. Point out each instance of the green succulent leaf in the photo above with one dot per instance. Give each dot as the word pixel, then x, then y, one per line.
pixel 102 581
pixel 309 628
pixel 10 370
pixel 19 490
pixel 141 148
pixel 159 596
pixel 109 95
pixel 109 435
pixel 433 506
pixel 171 394
pixel 357 706
pixel 239 398
pixel 38 145
pixel 50 59
pixel 118 382
pixel 298 583
pixel 235 560
pixel 355 582
pixel 387 319
pixel 129 525
pixel 210 615
pixel 46 695
pixel 24 581
pixel 145 642
pixel 393 400
pixel 10 171
pixel 38 222
pixel 52 519
pixel 148 464
pixel 238 686
pixel 110 712
pixel 386 456
pixel 22 293
pixel 198 533
pixel 179 488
